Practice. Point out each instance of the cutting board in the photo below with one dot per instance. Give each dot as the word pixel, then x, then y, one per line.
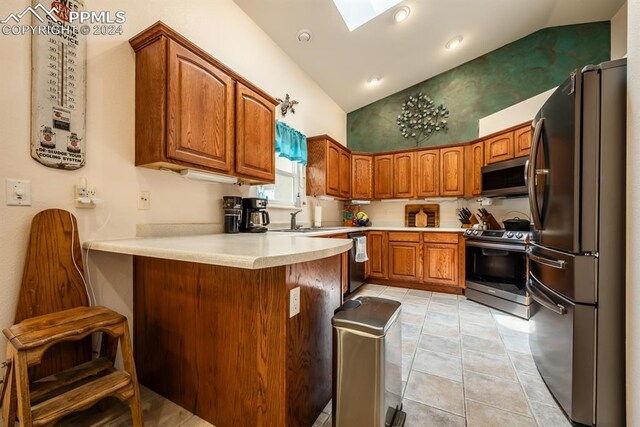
pixel 421 219
pixel 52 281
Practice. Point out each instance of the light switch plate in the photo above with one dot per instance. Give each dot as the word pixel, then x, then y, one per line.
pixel 18 192
pixel 294 302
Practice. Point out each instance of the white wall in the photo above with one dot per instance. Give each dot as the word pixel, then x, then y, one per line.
pixel 619 33
pixel 219 27
pixel 521 112
pixel 633 227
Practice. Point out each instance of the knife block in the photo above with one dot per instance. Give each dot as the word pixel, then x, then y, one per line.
pixel 474 221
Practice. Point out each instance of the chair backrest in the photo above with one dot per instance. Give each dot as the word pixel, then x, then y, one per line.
pixel 53 280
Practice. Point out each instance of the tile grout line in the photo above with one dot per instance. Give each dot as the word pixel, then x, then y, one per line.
pixel 524 393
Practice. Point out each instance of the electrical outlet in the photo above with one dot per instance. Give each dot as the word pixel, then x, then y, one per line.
pixel 84 197
pixel 18 192
pixel 294 301
pixel 144 200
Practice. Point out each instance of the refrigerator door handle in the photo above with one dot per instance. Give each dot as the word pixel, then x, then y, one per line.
pixel 542 299
pixel 530 179
pixel 553 263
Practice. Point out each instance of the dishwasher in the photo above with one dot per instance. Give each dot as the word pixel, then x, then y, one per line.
pixel 356 268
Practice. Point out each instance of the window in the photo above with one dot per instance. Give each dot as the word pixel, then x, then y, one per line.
pixel 289 182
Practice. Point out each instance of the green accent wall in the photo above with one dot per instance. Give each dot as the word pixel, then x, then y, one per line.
pixel 485 85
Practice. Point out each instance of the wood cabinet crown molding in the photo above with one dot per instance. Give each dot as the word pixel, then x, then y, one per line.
pixel 159 29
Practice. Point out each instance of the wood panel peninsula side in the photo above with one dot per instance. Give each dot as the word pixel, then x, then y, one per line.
pixel 218 340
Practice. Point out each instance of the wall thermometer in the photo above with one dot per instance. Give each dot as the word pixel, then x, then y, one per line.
pixel 59 58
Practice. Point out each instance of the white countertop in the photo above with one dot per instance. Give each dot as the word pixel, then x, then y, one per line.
pixel 250 251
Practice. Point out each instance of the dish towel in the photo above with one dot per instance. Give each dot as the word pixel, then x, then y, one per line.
pixel 361 249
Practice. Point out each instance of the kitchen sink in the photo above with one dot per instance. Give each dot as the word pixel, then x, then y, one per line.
pixel 307 229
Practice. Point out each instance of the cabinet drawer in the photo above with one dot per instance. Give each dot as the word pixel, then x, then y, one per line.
pixel 440 237
pixel 400 236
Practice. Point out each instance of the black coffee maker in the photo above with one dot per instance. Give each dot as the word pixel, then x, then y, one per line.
pixel 232 206
pixel 254 217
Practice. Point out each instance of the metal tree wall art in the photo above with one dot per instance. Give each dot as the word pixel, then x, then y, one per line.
pixel 286 105
pixel 421 118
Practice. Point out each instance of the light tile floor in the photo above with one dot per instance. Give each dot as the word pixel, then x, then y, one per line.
pixel 463 365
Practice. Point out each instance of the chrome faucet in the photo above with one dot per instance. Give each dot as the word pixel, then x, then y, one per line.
pixel 293 219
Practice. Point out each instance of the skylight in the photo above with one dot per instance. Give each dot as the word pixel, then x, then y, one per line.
pixel 358 12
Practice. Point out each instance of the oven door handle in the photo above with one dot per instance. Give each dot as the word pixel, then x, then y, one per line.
pixel 553 263
pixel 503 246
pixel 542 299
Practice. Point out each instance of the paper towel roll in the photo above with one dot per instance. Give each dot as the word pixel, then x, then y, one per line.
pixel 317 216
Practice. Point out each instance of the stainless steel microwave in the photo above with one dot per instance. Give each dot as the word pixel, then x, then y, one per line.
pixel 505 178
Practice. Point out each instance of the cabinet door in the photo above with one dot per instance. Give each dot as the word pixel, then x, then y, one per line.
pixel 475 161
pixel 255 135
pixel 383 177
pixel 498 148
pixel 377 253
pixel 428 173
pixel 441 264
pixel 361 176
pixel 522 142
pixel 333 170
pixel 345 174
pixel 200 107
pixel 452 171
pixel 403 175
pixel 405 261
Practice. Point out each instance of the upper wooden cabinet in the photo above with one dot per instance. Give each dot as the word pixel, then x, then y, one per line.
pixel 403 175
pixel 522 141
pixel 474 159
pixel 427 173
pixel 361 176
pixel 328 168
pixel 195 90
pixel 452 171
pixel 194 112
pixel 498 148
pixel 255 137
pixel 345 174
pixel 383 176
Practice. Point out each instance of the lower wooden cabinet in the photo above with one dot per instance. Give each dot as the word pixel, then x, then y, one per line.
pixel 377 251
pixel 430 261
pixel 405 261
pixel 441 264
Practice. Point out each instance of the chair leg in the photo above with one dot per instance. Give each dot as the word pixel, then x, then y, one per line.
pixel 9 402
pixel 22 387
pixel 130 367
pixel 109 347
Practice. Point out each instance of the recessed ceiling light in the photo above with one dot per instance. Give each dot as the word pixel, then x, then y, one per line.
pixel 304 36
pixel 374 80
pixel 401 13
pixel 454 42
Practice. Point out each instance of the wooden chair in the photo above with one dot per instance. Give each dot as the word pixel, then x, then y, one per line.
pixel 51 372
pixel 43 402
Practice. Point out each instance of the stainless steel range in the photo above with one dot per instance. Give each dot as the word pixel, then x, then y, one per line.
pixel 496 270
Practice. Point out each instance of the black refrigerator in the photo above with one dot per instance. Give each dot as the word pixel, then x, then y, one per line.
pixel 576 183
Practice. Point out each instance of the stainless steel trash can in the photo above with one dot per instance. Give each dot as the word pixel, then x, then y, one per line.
pixel 367 364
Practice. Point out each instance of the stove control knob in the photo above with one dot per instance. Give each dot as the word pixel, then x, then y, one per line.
pixel 519 235
pixel 467 232
pixel 475 232
pixel 509 234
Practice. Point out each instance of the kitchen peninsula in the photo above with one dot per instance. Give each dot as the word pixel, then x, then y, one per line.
pixel 212 330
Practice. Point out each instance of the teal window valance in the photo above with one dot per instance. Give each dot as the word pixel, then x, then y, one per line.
pixel 290 143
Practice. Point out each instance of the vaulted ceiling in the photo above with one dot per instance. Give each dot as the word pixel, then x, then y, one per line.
pixel 406 53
